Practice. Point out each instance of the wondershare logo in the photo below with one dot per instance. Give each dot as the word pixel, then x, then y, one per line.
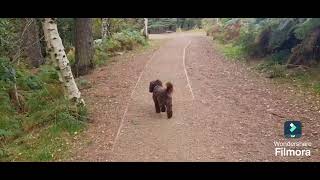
pixel 292 129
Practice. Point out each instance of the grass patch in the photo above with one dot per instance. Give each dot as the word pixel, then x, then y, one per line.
pixel 316 87
pixel 46 144
pixel 45 133
pixel 274 67
pixel 48 121
pixel 305 79
pixel 231 51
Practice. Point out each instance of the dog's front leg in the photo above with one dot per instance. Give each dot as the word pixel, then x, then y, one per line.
pixel 157 107
pixel 156 104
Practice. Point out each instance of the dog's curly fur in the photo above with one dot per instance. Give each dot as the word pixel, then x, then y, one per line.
pixel 162 97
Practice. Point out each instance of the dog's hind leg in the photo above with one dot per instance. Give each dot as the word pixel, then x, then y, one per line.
pixel 169 108
pixel 163 108
pixel 156 104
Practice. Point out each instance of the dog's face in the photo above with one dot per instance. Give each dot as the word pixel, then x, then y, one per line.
pixel 154 84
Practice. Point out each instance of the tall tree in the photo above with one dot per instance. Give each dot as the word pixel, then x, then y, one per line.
pixel 31 43
pixel 49 52
pixel 83 46
pixel 105 31
pixel 146 27
pixel 58 53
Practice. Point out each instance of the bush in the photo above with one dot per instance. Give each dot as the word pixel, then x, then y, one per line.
pixel 48 74
pixel 7 71
pixel 9 36
pixel 303 29
pixel 280 57
pixel 247 39
pixel 215 31
pixel 161 25
pixel 232 30
pixel 207 23
pixel 128 39
pixel 111 45
pixel 121 41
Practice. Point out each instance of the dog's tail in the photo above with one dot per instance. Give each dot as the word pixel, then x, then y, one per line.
pixel 169 87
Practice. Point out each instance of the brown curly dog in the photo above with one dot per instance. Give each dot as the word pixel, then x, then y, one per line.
pixel 162 97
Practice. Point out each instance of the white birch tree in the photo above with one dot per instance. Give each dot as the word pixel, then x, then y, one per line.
pixel 146 27
pixel 104 27
pixel 58 54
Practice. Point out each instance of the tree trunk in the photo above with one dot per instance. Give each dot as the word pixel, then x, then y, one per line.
pixel 105 28
pixel 146 28
pixel 31 43
pixel 59 55
pixel 83 46
pixel 50 54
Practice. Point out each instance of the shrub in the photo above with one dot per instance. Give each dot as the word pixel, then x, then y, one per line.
pixel 121 41
pixel 247 39
pixel 280 57
pixel 304 28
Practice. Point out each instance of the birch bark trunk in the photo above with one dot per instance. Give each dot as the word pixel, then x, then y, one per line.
pixel 58 54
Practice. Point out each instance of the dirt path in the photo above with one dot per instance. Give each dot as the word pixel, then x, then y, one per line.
pixel 221 111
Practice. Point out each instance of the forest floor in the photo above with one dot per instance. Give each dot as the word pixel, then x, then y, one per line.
pixel 222 110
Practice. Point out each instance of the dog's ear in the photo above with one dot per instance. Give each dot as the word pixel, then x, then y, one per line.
pixel 154 84
pixel 158 82
pixel 151 86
